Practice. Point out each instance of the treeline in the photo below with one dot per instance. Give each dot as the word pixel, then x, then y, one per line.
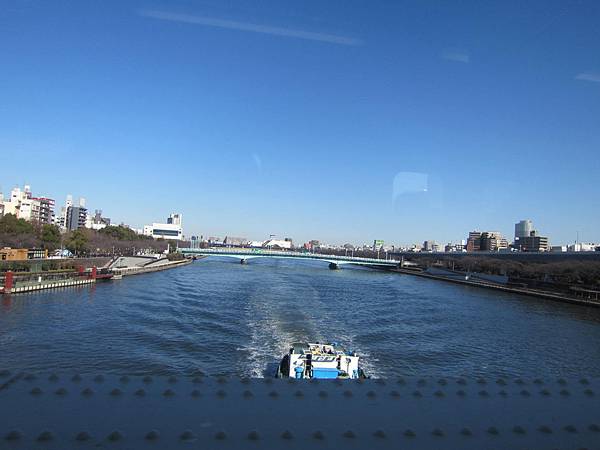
pixel 566 272
pixel 112 240
pixel 18 233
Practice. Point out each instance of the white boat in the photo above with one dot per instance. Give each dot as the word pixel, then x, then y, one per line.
pixel 322 361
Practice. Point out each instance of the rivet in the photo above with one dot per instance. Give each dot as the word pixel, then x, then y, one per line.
pixel 169 393
pixel 29 377
pixel 525 393
pixel 401 381
pixel 140 392
pixel 35 391
pixel 220 435
pixel 589 392
pixel 221 380
pixel 221 393
pixel 147 379
pixel 371 394
pixel 409 433
pixel 349 434
pixel 519 381
pixel 421 382
pixel 439 394
pixel 13 435
pixel 417 394
pixel 196 393
pixel 172 380
pixel 293 381
pixel 570 429
pixel 99 379
pixel 484 393
pixel 395 394
pixel 45 436
pixel 562 381
pixel 269 381
pixel 253 436
pixel 299 394
pixel 518 429
pixel 61 391
pixel 481 381
pixel 116 392
pixel 493 430
pixel 347 393
pixel 287 434
pixel 380 382
pixel 538 381
pixel 545 392
pixel 274 394
pixel 584 381
pixel 545 429
pixel 461 381
pixel 564 392
pixel 318 435
pixel 501 381
pixel 152 435
pixel 114 436
pixel 248 394
pixel 53 377
pixel 503 393
pixel 379 434
pixel 461 393
pixel 186 435
pixel 83 436
pixel 322 394
pixel 76 378
pixel 466 432
pixel 594 427
pixel 442 382
pixel 124 379
pixel 245 380
pixel 87 392
pixel 437 432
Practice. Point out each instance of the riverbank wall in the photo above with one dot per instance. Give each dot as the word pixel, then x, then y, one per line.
pixel 135 265
pixel 480 283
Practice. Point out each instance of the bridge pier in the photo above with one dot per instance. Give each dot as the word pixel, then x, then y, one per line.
pixel 333 266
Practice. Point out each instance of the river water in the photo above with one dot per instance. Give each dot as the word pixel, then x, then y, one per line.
pixel 217 316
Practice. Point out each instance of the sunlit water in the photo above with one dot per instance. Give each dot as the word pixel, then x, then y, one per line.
pixel 219 317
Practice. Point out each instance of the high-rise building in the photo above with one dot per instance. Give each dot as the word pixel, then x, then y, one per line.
pixel 523 228
pixel 76 217
pixel 43 210
pixel 174 219
pixel 486 241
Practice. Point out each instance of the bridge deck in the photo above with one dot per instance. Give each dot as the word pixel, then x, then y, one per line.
pixel 253 253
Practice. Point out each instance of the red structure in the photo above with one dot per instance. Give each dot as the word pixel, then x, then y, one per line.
pixel 8 282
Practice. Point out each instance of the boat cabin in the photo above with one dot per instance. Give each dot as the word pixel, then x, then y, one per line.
pixel 323 361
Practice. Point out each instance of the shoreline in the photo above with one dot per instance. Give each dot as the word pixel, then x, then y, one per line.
pixel 515 290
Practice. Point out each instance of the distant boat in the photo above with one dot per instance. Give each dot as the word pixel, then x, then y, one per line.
pixel 320 361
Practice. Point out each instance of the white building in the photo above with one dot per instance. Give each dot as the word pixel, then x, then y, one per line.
pixel 277 244
pixel 173 229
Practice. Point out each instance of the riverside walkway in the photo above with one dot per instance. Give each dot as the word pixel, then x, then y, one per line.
pixel 334 261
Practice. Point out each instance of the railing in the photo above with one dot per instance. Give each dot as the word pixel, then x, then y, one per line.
pixel 284 253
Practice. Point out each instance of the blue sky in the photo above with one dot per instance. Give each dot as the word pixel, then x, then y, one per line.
pixel 340 121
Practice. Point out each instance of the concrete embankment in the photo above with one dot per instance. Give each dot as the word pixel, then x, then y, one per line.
pixel 505 288
pixel 135 265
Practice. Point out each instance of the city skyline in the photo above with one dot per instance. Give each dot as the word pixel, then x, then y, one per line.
pixel 63 215
pixel 332 121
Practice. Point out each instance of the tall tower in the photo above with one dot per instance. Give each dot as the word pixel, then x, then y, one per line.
pixel 523 228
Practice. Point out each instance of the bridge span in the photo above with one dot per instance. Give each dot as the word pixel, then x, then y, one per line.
pixel 334 261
